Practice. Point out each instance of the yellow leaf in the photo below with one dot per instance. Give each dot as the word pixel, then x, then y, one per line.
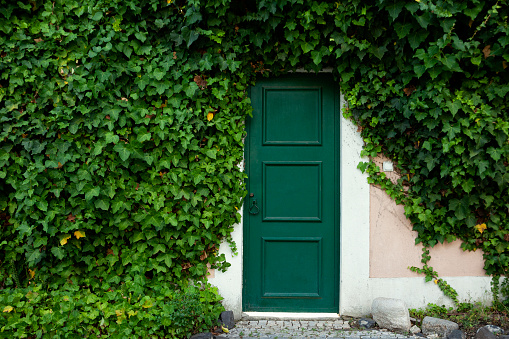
pixel 147 304
pixel 210 116
pixel 79 234
pixel 131 313
pixel 119 312
pixel 31 273
pixel 436 281
pixel 480 227
pixel 225 330
pixel 8 309
pixel 66 298
pixel 64 239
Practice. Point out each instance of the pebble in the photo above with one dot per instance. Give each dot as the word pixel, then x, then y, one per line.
pixel 288 329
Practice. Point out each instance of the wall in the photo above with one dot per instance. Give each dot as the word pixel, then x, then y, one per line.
pixel 392 248
pixel 376 249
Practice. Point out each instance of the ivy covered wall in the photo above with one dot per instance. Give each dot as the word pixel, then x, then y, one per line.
pixel 121 124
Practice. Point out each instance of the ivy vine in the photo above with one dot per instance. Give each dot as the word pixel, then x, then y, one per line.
pixel 122 124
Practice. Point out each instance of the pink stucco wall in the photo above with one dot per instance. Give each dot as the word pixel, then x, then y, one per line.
pixel 392 248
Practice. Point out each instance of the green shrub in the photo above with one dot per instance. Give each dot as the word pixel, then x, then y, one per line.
pixel 162 312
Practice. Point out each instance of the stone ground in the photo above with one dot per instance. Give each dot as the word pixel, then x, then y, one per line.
pixel 282 329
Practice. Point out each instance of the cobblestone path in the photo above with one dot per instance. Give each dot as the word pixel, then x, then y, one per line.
pixel 283 329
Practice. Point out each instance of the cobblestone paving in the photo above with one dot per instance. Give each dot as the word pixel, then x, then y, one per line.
pixel 283 329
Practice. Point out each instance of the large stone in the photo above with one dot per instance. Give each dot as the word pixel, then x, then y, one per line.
pixel 438 326
pixel 391 314
pixel 457 334
pixel 484 333
pixel 227 320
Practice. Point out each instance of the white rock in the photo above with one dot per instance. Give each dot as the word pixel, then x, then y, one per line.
pixel 391 313
pixel 414 329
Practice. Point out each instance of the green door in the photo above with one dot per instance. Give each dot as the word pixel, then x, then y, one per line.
pixel 291 216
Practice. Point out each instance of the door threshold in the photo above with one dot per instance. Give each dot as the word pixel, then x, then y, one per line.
pixel 289 316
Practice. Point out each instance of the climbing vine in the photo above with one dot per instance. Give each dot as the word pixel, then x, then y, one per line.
pixel 438 107
pixel 122 125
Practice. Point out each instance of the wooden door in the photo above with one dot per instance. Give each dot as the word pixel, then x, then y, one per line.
pixel 291 228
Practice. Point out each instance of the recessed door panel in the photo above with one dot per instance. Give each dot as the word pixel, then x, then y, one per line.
pixel 291 267
pixel 292 191
pixel 292 116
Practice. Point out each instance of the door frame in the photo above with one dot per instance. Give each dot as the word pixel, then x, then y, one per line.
pixel 337 195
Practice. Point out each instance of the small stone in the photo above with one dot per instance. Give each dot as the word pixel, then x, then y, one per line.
pixel 484 333
pixel 441 327
pixel 204 335
pixel 227 320
pixel 457 334
pixel 494 329
pixel 391 313
pixel 366 323
pixel 414 329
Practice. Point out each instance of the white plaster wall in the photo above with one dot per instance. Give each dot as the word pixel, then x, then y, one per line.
pixel 229 283
pixel 354 232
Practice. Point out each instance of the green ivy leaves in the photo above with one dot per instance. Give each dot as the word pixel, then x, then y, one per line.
pixel 442 124
pixel 125 120
pixel 115 141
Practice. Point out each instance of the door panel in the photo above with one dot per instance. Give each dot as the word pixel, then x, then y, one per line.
pixel 291 236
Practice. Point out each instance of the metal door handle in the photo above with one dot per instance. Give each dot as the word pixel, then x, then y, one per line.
pixel 254 209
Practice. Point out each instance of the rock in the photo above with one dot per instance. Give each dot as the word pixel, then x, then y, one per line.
pixel 391 314
pixel 441 327
pixel 366 322
pixel 457 334
pixel 227 320
pixel 494 329
pixel 414 329
pixel 503 337
pixel 484 333
pixel 204 335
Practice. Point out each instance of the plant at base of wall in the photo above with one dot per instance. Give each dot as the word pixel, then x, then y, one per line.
pixel 431 275
pixel 500 291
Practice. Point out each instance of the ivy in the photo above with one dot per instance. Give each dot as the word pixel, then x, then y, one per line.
pixel 444 120
pixel 122 124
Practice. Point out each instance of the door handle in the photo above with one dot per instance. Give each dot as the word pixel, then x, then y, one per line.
pixel 253 209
